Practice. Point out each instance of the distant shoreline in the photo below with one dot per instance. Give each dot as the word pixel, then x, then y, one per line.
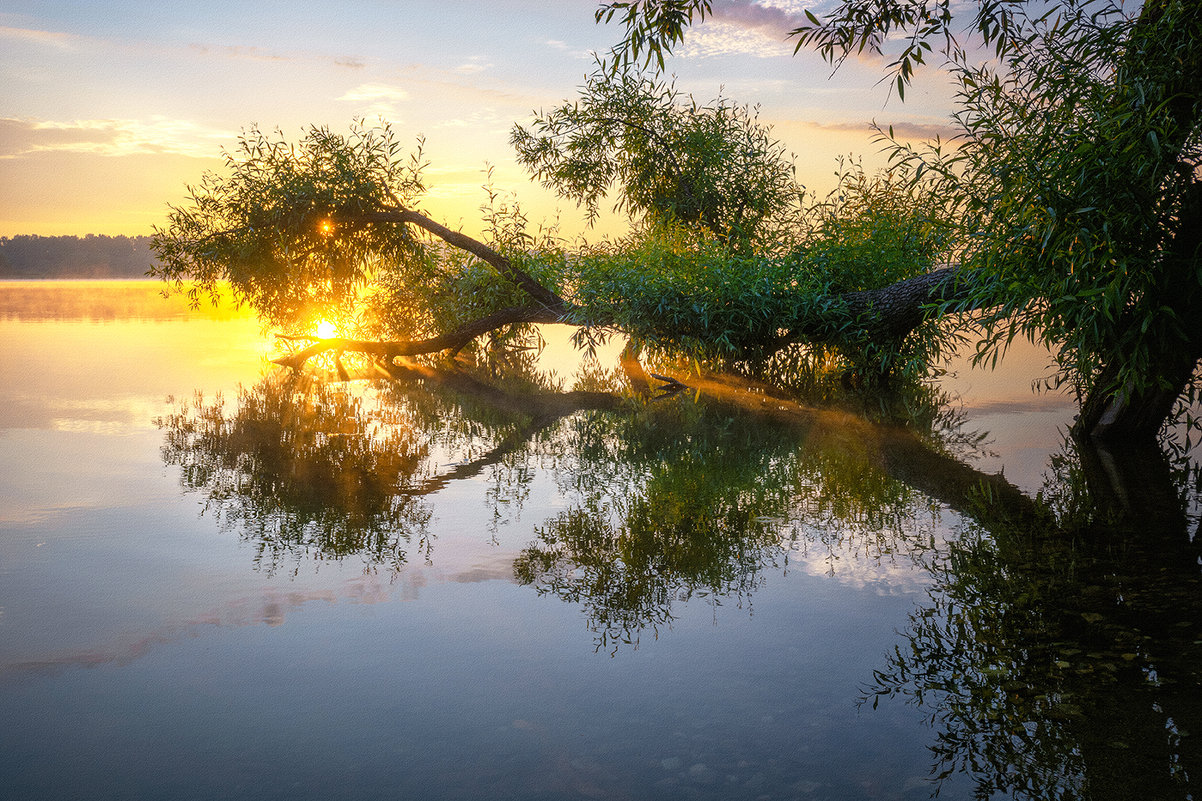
pixel 90 257
pixel 33 279
pixel 11 278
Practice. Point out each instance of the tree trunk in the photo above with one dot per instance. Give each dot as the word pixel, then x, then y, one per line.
pixel 1113 412
pixel 886 314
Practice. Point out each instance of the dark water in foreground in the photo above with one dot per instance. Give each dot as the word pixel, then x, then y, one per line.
pixel 217 582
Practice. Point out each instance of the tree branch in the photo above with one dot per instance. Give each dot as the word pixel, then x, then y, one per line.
pixel 889 312
pixel 390 349
pixel 502 265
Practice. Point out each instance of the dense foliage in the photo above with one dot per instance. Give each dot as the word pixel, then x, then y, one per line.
pixel 671 288
pixel 1075 180
pixel 1076 183
pixel 267 226
pixel 670 159
pixel 300 468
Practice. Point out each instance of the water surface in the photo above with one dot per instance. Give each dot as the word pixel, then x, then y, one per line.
pixel 219 581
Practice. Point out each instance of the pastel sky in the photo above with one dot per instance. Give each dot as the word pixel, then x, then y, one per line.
pixel 108 109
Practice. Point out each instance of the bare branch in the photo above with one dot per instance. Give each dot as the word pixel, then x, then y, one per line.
pixel 502 265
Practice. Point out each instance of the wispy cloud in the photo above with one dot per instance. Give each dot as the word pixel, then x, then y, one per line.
pixel 563 47
pixel 912 131
pixel 376 99
pixel 482 119
pixel 719 38
pixel 748 28
pixel 741 27
pixel 773 20
pixel 57 39
pixel 375 92
pixel 108 137
pixel 923 131
pixel 473 65
pixel 70 41
pixel 239 52
pixel 252 53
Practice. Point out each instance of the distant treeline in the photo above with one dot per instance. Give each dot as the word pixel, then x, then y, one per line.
pixel 91 256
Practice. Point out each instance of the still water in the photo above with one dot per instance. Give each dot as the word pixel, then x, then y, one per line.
pixel 220 581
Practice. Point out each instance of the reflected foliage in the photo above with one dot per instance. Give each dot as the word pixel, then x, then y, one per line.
pixel 1066 663
pixel 685 499
pixel 687 495
pixel 302 468
pixel 1058 656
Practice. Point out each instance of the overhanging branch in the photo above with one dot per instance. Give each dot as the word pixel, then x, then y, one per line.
pixel 502 265
pixel 388 350
pixel 888 312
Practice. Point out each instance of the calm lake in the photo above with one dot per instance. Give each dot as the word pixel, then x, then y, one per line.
pixel 220 581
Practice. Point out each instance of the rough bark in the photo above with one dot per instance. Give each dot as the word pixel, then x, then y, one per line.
pixel 1113 412
pixel 885 314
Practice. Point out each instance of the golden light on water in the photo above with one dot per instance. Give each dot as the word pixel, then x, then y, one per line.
pixel 326 226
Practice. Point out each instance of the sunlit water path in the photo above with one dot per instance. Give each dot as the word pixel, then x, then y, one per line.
pixel 489 603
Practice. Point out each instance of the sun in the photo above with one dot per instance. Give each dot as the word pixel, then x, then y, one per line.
pixel 326 330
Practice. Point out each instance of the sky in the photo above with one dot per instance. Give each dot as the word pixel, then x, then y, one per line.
pixel 109 110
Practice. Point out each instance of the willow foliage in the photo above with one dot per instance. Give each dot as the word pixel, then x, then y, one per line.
pixel 266 226
pixel 668 158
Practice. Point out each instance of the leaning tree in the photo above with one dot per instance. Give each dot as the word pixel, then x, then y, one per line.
pixel 727 258
pixel 1072 205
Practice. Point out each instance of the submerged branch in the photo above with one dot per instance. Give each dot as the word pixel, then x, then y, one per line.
pixel 986 497
pixel 542 409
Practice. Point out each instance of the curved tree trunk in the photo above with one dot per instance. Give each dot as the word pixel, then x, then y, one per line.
pixel 1114 411
pixel 885 314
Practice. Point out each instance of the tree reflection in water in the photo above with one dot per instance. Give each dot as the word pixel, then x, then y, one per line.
pixel 678 500
pixel 304 469
pixel 1058 656
pixel 309 469
pixel 1065 661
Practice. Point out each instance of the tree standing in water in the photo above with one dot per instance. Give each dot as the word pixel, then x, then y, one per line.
pixel 1074 183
